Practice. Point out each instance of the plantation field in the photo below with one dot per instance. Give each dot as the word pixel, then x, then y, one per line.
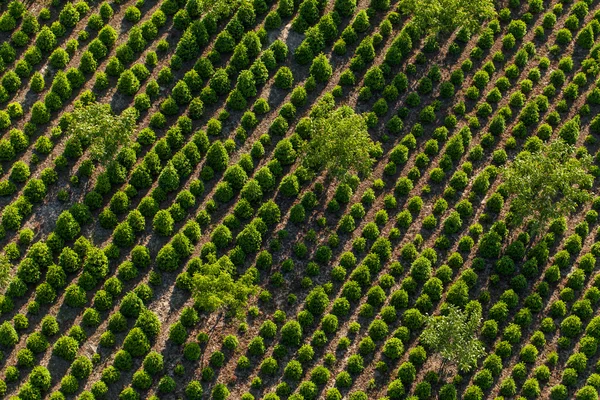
pixel 187 245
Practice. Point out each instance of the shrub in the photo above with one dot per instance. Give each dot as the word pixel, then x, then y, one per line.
pixel 528 353
pixel 40 378
pixel 531 388
pixel 8 335
pixel 585 38
pixel 39 113
pixel 20 172
pixel 194 391
pixel 217 157
pixel 132 14
pixel 291 333
pixel 163 223
pixel 393 348
pixel 66 347
pixel 131 305
pixel 136 343
pixel 564 36
pixel 284 79
pixel 66 226
pixel 128 83
pixel 320 69
pixel 587 393
pixel 81 368
pixel 192 351
pixel 571 326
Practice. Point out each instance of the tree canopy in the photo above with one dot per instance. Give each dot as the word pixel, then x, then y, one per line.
pixel 339 143
pixel 548 183
pixel 445 16
pixel 220 7
pixel 215 288
pixel 454 337
pixel 105 132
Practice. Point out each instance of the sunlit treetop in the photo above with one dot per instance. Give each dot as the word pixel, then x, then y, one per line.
pixel 220 7
pixel 446 16
pixel 453 337
pixel 95 124
pixel 548 183
pixel 340 142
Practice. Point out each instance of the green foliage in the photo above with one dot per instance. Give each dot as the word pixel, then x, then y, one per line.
pixel 585 38
pixel 447 16
pixel 136 343
pixel 284 79
pixel 66 347
pixel 128 83
pixel 340 143
pixel 217 156
pixel 66 226
pixel 321 69
pixel 547 184
pixel 345 7
pixel 46 40
pixel 105 132
pixel 453 337
pixel 215 289
pixel 8 335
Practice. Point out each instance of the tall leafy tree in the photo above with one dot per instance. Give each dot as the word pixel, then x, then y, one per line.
pixel 216 290
pixel 454 337
pixel 339 142
pixel 220 7
pixel 105 132
pixel 445 16
pixel 548 183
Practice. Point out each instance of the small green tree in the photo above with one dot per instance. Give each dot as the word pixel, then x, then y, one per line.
pixel 585 39
pixel 547 184
pixel 445 16
pixel 454 337
pixel 321 69
pixel 339 143
pixel 128 83
pixel 5 268
pixel 106 132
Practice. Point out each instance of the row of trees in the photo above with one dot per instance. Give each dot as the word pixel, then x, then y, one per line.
pixel 544 184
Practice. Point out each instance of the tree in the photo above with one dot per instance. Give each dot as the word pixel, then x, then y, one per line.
pixel 69 16
pixel 219 7
pixel 106 132
pixel 547 184
pixel 321 69
pixel 215 289
pixel 340 143
pixel 585 39
pixel 128 83
pixel 454 337
pixel 66 226
pixel 187 47
pixel 345 7
pixel 445 16
pixel 5 267
pixel 46 40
